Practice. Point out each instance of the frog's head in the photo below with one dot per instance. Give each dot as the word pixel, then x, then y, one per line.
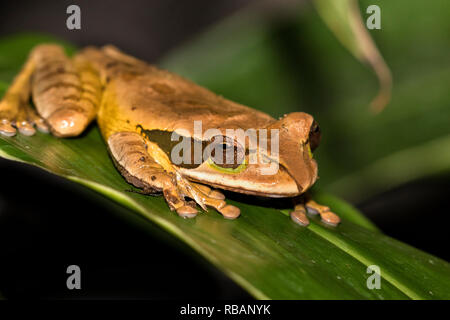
pixel 286 173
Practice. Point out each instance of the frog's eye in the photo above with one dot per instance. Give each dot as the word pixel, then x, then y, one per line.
pixel 314 136
pixel 226 153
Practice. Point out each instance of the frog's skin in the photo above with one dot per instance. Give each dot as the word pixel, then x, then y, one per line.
pixel 133 103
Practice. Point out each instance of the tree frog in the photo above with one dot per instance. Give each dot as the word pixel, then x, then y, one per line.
pixel 140 107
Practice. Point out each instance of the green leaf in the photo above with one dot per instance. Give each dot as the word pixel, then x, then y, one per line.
pixel 263 251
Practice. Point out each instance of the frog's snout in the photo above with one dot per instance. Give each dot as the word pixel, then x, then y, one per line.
pixel 301 168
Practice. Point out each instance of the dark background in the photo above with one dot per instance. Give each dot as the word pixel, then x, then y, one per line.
pixel 148 29
pixel 59 223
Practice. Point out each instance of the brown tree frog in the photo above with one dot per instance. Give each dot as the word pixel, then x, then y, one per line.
pixel 139 107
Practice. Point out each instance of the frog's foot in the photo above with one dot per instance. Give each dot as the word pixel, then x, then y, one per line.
pixel 209 192
pixel 228 211
pixel 16 113
pixel 176 201
pixel 325 213
pixel 6 128
pixel 299 215
pixel 22 119
pixel 206 197
pixel 202 195
pixel 66 94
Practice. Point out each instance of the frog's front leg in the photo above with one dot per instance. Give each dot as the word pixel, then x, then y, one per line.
pixel 209 192
pixel 312 207
pixel 325 213
pixel 145 166
pixel 299 215
pixel 129 153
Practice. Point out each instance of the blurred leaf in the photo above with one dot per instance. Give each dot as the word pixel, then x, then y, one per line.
pixel 294 63
pixel 431 158
pixel 344 19
pixel 263 251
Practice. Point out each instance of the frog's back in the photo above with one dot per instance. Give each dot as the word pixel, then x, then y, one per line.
pixel 137 93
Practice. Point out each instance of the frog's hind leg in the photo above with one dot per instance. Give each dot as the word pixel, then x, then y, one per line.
pixel 299 215
pixel 66 93
pixel 129 153
pixel 16 113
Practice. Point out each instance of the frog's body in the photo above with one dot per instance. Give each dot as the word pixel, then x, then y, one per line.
pixel 139 106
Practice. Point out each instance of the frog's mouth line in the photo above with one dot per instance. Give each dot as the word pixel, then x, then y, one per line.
pixel 249 192
pixel 281 186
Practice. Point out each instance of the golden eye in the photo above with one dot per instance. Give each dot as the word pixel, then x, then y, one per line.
pixel 314 136
pixel 226 153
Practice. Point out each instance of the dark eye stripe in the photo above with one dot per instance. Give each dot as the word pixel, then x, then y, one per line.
pixel 164 140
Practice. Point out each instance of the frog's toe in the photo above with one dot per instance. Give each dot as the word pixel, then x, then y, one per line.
pixel 216 199
pixel 26 128
pixel 37 121
pixel 6 128
pixel 41 126
pixel 216 195
pixel 299 217
pixel 210 192
pixel 325 213
pixel 330 218
pixel 67 122
pixel 23 121
pixel 230 212
pixel 187 211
